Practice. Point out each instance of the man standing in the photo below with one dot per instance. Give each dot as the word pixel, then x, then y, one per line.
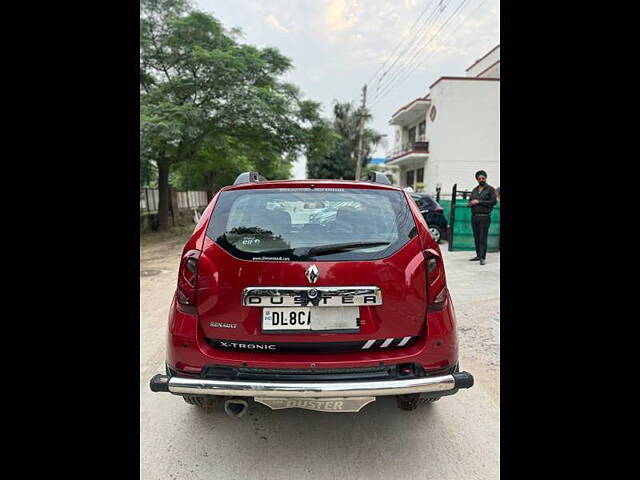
pixel 481 201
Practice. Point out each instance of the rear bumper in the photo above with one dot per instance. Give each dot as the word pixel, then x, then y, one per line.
pixel 441 384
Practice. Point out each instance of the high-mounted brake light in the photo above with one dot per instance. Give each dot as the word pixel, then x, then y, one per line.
pixel 436 283
pixel 188 282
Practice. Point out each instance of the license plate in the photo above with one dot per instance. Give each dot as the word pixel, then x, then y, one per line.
pixel 349 404
pixel 310 319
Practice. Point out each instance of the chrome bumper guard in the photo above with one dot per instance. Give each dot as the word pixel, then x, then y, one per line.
pixel 234 388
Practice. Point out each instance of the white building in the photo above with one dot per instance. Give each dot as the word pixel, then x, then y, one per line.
pixel 444 137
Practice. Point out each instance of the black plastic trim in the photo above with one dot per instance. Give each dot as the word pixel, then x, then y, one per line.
pixel 304 347
pixel 463 379
pixel 377 177
pixel 159 383
pixel 388 372
pixel 248 177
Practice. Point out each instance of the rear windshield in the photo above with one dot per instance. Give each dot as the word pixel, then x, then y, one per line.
pixel 303 224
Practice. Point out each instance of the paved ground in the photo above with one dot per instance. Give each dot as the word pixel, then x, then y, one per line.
pixel 458 437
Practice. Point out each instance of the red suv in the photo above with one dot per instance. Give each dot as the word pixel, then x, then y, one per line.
pixel 316 294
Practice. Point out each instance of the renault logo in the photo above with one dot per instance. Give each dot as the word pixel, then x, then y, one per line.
pixel 312 274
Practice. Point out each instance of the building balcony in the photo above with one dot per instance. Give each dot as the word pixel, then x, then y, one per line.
pixel 411 113
pixel 419 147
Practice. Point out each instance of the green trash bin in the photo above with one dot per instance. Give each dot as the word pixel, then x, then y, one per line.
pixel 461 232
pixel 446 207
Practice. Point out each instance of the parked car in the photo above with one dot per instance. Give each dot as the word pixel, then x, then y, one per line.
pixel 321 315
pixel 433 214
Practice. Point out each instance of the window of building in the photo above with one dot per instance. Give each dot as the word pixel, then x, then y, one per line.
pixel 420 175
pixel 422 130
pixel 410 176
pixel 412 134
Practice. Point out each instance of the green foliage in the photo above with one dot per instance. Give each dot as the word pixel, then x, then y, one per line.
pixel 210 106
pixel 322 142
pixel 336 158
pixel 148 174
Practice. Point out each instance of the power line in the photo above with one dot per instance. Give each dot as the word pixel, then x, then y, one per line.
pixel 423 61
pixel 401 40
pixel 414 58
pixel 411 47
pixel 420 34
pixel 415 34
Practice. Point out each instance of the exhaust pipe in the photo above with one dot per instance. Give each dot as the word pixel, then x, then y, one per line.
pixel 235 407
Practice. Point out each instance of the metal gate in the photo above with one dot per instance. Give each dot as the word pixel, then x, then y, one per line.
pixel 460 230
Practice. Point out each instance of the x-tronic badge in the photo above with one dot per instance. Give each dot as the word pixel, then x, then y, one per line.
pixel 312 274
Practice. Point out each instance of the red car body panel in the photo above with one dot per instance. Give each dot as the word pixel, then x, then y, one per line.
pixel 403 313
pixel 401 277
pixel 188 351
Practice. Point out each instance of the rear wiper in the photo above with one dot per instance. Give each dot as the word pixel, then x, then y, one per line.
pixel 340 247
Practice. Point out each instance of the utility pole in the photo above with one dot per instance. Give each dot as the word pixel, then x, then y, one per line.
pixel 361 133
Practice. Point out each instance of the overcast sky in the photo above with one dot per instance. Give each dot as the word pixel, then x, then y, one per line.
pixel 336 46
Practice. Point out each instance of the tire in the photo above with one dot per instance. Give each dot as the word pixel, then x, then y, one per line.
pixel 206 403
pixel 427 400
pixel 408 402
pixel 412 401
pixel 436 233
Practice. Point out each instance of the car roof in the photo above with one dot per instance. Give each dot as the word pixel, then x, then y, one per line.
pixel 311 182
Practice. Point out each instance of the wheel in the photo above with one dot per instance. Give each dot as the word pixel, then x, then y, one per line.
pixel 426 400
pixel 436 233
pixel 206 403
pixel 408 402
pixel 413 401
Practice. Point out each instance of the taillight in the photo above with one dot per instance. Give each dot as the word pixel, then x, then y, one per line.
pixel 188 282
pixel 436 282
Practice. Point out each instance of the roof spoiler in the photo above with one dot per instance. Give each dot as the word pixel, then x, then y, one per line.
pixel 249 177
pixel 377 177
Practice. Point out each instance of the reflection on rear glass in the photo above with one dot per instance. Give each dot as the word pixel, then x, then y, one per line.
pixel 256 222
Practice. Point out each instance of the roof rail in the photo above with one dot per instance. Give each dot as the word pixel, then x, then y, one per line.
pixel 248 177
pixel 377 177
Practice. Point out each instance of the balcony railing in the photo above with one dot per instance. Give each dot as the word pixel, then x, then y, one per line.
pixel 420 145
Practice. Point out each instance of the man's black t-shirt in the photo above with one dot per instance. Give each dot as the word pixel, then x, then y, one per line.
pixel 487 198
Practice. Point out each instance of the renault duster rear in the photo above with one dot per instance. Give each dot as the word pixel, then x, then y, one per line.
pixel 317 294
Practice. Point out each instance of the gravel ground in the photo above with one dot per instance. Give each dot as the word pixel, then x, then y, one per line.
pixel 458 437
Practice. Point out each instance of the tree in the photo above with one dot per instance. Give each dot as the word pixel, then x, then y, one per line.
pixel 340 160
pixel 210 105
pixel 221 159
pixel 147 172
pixel 322 142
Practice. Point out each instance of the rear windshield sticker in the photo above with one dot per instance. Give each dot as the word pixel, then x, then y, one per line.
pixel 283 259
pixel 319 189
